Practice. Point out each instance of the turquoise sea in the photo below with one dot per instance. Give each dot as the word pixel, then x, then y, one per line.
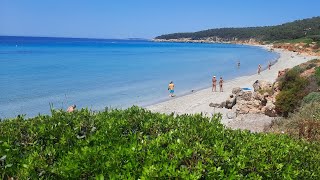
pixel 99 73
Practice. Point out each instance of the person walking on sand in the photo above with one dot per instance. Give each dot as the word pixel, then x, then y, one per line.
pixel 221 84
pixel 71 108
pixel 214 84
pixel 171 89
pixel 269 66
pixel 259 69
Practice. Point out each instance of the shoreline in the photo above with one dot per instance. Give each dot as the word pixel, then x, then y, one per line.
pixel 198 101
pixel 192 91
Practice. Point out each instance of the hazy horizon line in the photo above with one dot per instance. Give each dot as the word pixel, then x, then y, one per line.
pixel 65 37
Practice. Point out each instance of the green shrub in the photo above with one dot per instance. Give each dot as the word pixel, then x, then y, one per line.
pixel 312 85
pixel 317 75
pixel 297 69
pixel 292 80
pixel 137 144
pixel 311 65
pixel 314 61
pixel 305 123
pixel 315 38
pixel 286 102
pixel 292 88
pixel 311 97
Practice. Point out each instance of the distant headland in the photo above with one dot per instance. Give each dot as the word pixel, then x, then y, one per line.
pixel 301 36
pixel 306 29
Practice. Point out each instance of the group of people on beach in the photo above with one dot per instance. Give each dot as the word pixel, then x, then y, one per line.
pixel 259 67
pixel 214 84
pixel 214 81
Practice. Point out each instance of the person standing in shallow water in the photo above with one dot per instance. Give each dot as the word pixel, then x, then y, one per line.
pixel 221 84
pixel 214 83
pixel 171 89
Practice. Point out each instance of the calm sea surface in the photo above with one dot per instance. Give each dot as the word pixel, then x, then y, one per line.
pixel 93 73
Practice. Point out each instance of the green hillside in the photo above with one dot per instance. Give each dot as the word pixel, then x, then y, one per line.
pixel 288 31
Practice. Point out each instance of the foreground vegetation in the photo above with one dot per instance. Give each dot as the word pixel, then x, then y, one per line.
pixel 135 143
pixel 306 28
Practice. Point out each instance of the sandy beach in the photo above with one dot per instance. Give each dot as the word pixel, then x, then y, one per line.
pixel 198 102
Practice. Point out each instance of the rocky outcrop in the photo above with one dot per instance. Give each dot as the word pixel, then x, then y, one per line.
pixel 246 96
pixel 214 105
pixel 236 90
pixel 262 85
pixel 269 110
pixel 260 101
pixel 310 48
pixel 230 102
pixel 282 72
pixel 254 102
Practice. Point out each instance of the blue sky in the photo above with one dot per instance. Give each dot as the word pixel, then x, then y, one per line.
pixel 143 18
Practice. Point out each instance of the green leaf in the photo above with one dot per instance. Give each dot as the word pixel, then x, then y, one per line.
pixel 100 177
pixel 3 158
pixel 8 165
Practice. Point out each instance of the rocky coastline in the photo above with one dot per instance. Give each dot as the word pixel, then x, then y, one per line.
pixel 211 40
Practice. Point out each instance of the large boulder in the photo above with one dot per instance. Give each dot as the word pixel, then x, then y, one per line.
pixel 256 86
pixel 223 104
pixel 230 102
pixel 269 109
pixel 264 102
pixel 265 85
pixel 231 115
pixel 262 85
pixel 214 105
pixel 241 107
pixel 245 107
pixel 256 104
pixel 236 90
pixel 247 96
pixel 257 96
pixel 244 102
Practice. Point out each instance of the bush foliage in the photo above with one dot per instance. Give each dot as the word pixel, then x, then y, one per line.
pixel 135 143
pixel 311 97
pixel 305 123
pixel 317 75
pixel 292 88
